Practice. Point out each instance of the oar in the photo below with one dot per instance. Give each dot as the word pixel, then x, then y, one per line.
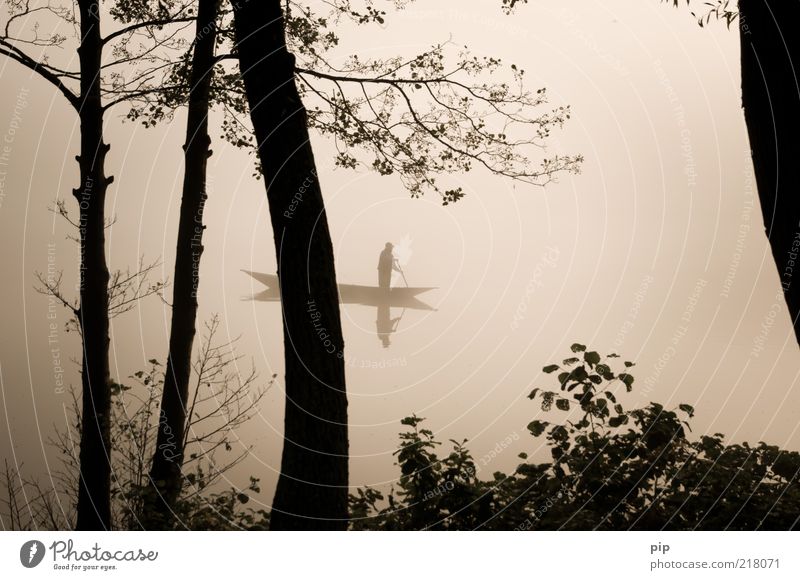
pixel 403 274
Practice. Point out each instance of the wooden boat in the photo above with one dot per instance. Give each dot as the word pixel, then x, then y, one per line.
pixel 353 294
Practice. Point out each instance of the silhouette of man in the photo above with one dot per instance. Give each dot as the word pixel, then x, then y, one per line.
pixel 386 263
pixel 385 324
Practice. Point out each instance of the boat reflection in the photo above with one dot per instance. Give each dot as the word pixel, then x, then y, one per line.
pixel 383 299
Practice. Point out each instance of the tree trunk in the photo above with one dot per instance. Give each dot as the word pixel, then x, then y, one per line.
pixel 771 100
pixel 165 474
pixel 94 501
pixel 312 487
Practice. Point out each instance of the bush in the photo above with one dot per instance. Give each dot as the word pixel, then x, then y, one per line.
pixel 611 469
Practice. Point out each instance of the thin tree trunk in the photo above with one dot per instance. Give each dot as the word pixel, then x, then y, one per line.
pixel 94 500
pixel 312 487
pixel 771 100
pixel 168 458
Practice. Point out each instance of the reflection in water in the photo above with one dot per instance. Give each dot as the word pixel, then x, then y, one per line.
pixel 383 299
pixel 385 324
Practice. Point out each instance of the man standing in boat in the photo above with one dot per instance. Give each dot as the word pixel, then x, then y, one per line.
pixel 386 264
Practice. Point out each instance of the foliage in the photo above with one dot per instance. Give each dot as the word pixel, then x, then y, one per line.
pixel 221 402
pixel 433 494
pixel 712 9
pixel 717 9
pixel 42 35
pixel 418 116
pixel 611 469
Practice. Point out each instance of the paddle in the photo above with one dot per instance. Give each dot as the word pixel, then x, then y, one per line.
pixel 403 274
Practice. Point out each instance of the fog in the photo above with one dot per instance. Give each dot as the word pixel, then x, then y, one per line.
pixel 655 251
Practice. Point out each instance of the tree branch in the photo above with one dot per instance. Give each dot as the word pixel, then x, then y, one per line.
pixel 19 56
pixel 148 24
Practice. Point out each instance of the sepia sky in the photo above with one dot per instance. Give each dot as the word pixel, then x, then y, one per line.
pixel 655 251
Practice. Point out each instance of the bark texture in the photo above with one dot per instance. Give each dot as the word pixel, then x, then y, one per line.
pixel 94 501
pixel 165 475
pixel 771 100
pixel 312 487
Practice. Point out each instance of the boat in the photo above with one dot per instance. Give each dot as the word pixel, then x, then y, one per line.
pixel 402 297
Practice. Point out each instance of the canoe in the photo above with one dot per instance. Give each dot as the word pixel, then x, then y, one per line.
pixel 353 294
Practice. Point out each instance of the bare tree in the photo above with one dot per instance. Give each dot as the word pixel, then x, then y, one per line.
pixel 167 461
pixel 221 400
pixel 91 90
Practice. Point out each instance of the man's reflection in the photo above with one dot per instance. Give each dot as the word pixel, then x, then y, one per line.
pixel 385 324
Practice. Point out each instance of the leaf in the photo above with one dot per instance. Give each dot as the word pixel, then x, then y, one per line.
pixel 578 347
pixel 412 421
pixel 571 361
pixel 602 369
pixel 688 409
pixel 562 404
pixel 786 465
pixel 605 372
pixel 537 427
pixel 533 394
pixel 559 433
pixel 591 357
pixel 579 373
pixel 550 368
pixel 628 363
pixel 628 380
pixel 617 421
pixel 243 497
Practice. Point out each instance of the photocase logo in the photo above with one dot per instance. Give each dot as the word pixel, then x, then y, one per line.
pixel 31 553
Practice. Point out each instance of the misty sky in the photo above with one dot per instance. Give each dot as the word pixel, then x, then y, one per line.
pixel 656 251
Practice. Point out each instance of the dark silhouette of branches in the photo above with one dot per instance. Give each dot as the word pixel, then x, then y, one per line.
pixel 126 289
pixel 726 10
pixel 223 400
pixel 418 117
pixel 152 37
pixel 28 504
